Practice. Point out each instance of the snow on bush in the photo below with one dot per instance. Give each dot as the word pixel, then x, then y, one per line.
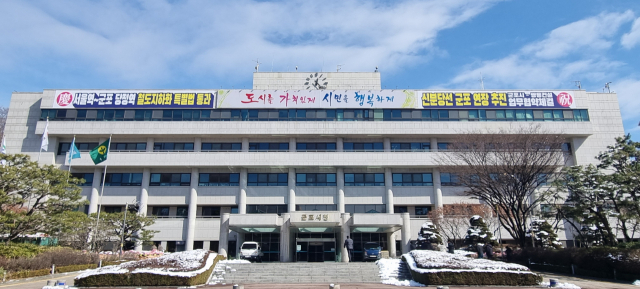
pixel 389 269
pixel 435 261
pixel 183 264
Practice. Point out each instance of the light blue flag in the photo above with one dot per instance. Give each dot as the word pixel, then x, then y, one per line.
pixel 74 153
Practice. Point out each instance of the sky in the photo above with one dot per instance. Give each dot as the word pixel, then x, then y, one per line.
pixel 203 44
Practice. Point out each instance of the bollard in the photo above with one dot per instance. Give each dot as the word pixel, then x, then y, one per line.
pixel 53 269
pixel 553 282
pixel 100 264
pixel 334 286
pixel 235 286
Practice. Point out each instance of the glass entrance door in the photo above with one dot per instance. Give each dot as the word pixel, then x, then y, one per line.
pixel 316 252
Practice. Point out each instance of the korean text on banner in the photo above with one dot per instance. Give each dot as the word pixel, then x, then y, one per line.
pixel 133 99
pixel 497 99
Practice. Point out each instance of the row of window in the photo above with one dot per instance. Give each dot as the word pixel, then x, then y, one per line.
pixel 277 179
pixel 214 211
pixel 63 148
pixel 315 115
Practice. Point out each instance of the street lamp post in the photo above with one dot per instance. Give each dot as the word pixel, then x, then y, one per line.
pixel 124 225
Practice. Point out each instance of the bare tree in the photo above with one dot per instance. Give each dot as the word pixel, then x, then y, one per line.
pixel 4 111
pixel 453 220
pixel 506 169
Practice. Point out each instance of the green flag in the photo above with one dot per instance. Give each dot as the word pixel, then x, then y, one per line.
pixel 99 154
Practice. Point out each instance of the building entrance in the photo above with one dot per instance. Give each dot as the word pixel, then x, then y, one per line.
pixel 316 247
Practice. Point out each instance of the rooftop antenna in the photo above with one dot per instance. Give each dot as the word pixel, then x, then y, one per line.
pixel 578 84
pixel 606 85
pixel 481 81
pixel 339 67
pixel 376 69
pixel 296 68
pixel 257 65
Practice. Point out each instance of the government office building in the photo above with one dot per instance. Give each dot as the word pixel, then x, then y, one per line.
pixel 297 163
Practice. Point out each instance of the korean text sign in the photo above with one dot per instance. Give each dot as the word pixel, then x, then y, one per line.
pixel 498 99
pixel 133 99
pixel 301 99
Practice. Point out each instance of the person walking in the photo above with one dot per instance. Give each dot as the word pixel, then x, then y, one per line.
pixel 348 243
pixel 450 247
pixel 509 254
pixel 489 249
pixel 480 249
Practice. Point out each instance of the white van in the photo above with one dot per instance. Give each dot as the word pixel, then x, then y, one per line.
pixel 251 251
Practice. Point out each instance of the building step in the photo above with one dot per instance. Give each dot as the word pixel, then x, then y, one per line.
pixel 246 273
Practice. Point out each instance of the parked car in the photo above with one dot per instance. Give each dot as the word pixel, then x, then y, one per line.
pixel 371 251
pixel 251 251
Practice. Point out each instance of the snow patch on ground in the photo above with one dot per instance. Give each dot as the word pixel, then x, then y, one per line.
pixel 388 272
pixel 637 283
pixel 181 264
pixel 426 261
pixel 561 285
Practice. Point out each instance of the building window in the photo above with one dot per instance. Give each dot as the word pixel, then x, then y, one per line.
pixel 217 180
pixel 123 179
pixel 167 179
pixel 315 179
pixel 411 147
pixel 182 211
pixel 316 207
pixel 160 211
pixel 400 209
pixel 222 147
pixel 363 146
pixel 412 179
pixel 365 209
pixel 566 148
pixel 443 146
pixel 449 179
pixel 210 211
pixel 364 179
pixel 267 179
pixel 88 178
pixel 268 147
pixel 111 209
pixel 173 146
pixel 63 148
pixel 133 147
pixel 266 209
pixel 422 210
pixel 315 147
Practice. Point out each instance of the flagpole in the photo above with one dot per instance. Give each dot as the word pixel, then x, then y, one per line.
pixel 104 176
pixel 73 143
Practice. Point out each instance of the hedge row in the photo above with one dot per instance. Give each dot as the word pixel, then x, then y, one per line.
pixel 145 279
pixel 476 278
pixel 43 272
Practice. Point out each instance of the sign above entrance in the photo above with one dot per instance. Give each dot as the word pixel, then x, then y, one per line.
pixel 314 218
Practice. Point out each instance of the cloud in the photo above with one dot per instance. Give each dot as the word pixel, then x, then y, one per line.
pixel 630 39
pixel 575 51
pixel 627 90
pixel 147 42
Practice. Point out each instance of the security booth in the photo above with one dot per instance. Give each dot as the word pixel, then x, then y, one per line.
pixel 316 235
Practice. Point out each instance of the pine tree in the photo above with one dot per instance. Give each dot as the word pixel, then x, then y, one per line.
pixel 543 234
pixel 429 233
pixel 478 232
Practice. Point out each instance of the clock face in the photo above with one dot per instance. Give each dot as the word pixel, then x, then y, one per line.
pixel 317 81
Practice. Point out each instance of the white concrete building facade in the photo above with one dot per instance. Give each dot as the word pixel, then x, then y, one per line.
pixel 296 163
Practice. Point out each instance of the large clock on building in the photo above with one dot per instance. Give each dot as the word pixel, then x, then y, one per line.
pixel 317 81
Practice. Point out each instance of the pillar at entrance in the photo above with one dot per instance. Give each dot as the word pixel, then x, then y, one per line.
pixel 143 201
pixel 406 233
pixel 388 183
pixel 95 194
pixel 437 188
pixel 292 189
pixel 242 199
pixel 223 244
pixel 346 231
pixel 392 244
pixel 285 235
pixel 340 187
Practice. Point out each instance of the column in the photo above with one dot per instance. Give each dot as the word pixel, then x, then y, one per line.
pixel 437 187
pixel 144 192
pixel 340 187
pixel 392 244
pixel 242 199
pixel 339 145
pixel 193 209
pixel 150 143
pixel 406 233
pixel 245 144
pixel 95 191
pixel 292 189
pixel 346 217
pixel 285 232
pixel 292 144
pixel 223 243
pixel 388 183
pixel 387 144
pixel 434 144
pixel 197 145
